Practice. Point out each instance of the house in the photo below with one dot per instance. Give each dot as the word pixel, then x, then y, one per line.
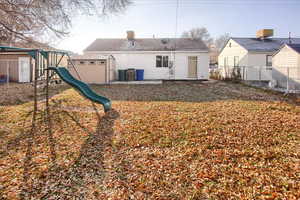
pixel 253 55
pixel 175 58
pixel 93 68
pixel 286 66
pixel 16 67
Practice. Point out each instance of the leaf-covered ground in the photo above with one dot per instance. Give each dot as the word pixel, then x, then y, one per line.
pixel 173 141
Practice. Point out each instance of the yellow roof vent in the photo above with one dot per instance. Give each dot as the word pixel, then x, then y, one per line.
pixel 265 33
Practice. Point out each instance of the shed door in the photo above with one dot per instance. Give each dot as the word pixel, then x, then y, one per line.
pixel 24 69
pixel 192 66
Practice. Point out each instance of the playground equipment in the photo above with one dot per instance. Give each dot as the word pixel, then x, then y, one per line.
pixel 46 67
pixel 82 87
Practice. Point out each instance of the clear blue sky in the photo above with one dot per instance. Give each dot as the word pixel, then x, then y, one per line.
pixel 239 18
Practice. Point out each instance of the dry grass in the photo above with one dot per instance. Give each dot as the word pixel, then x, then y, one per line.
pixel 171 141
pixel 16 93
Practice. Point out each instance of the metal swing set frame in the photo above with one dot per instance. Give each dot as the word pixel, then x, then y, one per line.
pixel 43 59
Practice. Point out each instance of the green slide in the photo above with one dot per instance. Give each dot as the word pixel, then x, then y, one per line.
pixel 85 90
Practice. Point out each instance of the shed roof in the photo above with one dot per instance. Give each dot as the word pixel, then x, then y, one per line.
pixel 148 44
pixel 264 45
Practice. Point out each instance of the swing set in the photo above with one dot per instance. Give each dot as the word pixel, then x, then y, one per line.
pixel 46 67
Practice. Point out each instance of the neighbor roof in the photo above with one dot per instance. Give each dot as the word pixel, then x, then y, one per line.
pixel 148 44
pixel 295 47
pixel 266 45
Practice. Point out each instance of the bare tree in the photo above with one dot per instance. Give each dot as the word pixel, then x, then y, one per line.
pixel 199 33
pixel 23 20
pixel 221 40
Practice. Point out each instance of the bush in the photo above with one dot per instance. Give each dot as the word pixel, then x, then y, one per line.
pixel 215 74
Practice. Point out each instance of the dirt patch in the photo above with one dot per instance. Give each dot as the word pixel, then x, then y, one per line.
pixel 187 92
pixel 19 93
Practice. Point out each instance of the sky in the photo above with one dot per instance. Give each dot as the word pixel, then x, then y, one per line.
pixel 148 18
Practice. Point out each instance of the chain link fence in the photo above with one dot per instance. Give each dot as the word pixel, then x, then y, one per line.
pixel 285 79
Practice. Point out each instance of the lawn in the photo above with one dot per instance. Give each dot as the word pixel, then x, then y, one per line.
pixel 211 140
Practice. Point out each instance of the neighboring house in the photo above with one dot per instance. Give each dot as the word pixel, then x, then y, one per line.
pixel 253 54
pixel 17 67
pixel 93 68
pixel 176 58
pixel 286 66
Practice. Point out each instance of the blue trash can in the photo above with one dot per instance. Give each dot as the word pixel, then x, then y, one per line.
pixel 139 74
pixel 3 78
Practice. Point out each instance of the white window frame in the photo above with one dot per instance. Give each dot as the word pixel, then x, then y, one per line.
pixel 163 63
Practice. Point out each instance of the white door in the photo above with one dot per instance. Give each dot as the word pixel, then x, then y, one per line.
pixel 192 66
pixel 24 69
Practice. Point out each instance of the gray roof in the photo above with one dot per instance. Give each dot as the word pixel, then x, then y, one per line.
pixel 266 45
pixel 148 44
pixel 296 47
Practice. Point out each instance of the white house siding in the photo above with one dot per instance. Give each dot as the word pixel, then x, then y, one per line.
pixel 142 61
pixel 286 57
pixel 232 49
pixel 147 61
pixel 286 63
pixel 181 65
pixel 256 69
pixel 253 65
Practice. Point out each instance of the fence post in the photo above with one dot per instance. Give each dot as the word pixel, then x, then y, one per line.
pixel 7 72
pixel 288 80
pixel 259 71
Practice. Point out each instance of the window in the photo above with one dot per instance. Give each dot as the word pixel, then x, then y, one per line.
pixel 269 60
pixel 82 62
pixel 165 61
pixel 236 61
pixel 158 61
pixel 92 62
pixel 162 61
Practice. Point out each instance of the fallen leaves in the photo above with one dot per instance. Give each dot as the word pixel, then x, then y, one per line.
pixel 181 141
